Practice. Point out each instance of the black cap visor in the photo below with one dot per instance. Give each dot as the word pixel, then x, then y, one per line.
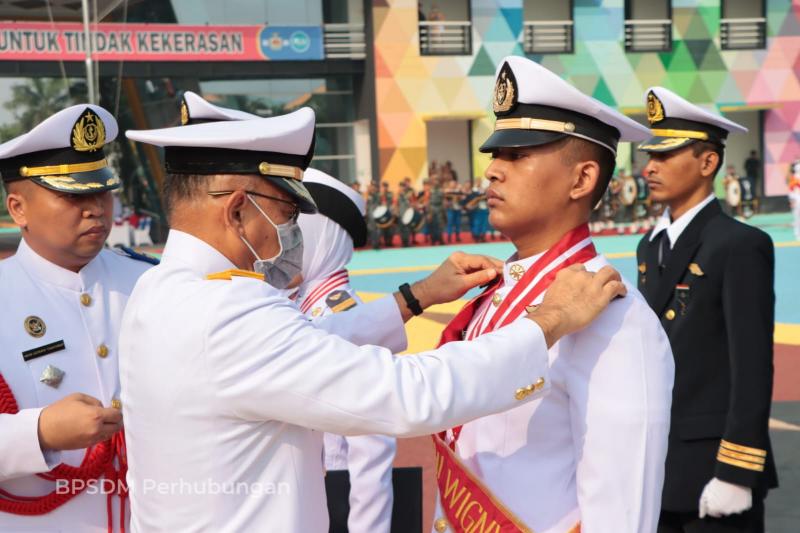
pixel 513 138
pixel 92 182
pixel 665 144
pixel 297 191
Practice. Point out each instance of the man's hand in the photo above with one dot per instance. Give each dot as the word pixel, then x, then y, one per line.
pixel 720 498
pixel 75 422
pixel 574 299
pixel 457 275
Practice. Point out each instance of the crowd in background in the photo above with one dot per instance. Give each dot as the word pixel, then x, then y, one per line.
pixel 446 210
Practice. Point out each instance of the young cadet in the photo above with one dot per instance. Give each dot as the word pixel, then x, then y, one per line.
pixel 710 279
pixel 328 240
pixel 223 379
pixel 61 299
pixel 589 455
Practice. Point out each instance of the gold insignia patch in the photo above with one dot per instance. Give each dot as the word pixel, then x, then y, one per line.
pixel 516 272
pixel 695 269
pixel 35 326
pixel 655 109
pixel 642 267
pixel 88 133
pixel 505 91
pixel 184 113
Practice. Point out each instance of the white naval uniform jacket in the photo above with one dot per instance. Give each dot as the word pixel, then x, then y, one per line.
pixel 84 310
pixel 224 381
pixel 368 458
pixel 593 449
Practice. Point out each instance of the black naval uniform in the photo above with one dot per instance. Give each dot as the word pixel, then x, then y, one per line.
pixel 714 294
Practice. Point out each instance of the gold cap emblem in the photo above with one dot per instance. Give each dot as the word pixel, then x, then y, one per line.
pixel 505 91
pixel 88 133
pixel 655 109
pixel 184 113
pixel 35 326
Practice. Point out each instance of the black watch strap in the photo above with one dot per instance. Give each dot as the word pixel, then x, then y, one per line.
pixel 411 301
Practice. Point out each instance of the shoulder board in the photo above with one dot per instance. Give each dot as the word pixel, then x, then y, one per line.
pixel 133 254
pixel 228 275
pixel 339 301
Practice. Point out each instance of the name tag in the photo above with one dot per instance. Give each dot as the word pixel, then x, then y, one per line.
pixel 47 349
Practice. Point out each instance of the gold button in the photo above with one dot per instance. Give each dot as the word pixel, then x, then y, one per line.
pixel 440 525
pixel 516 271
pixel 86 300
pixel 530 388
pixel 521 394
pixel 116 404
pixel 264 168
pixel 670 314
pixel 496 299
pixel 102 351
pixel 539 383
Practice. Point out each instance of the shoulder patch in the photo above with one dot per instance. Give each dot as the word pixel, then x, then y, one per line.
pixel 137 256
pixel 228 275
pixel 339 301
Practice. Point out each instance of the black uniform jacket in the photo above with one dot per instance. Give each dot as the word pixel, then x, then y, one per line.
pixel 716 301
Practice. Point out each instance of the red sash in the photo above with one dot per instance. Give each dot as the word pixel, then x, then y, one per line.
pixel 469 505
pixel 98 462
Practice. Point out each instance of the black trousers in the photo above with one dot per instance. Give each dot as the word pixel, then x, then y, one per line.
pixel 751 521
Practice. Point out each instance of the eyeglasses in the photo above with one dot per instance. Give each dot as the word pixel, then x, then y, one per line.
pixel 291 216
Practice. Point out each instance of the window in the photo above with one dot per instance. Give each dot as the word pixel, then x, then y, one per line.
pixel 445 27
pixel 648 25
pixel 548 27
pixel 743 24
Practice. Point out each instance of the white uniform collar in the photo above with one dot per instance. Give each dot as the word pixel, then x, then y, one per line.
pixel 674 229
pixel 515 268
pixel 42 269
pixel 194 253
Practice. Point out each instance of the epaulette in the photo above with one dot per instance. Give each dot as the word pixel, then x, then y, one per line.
pixel 133 254
pixel 227 275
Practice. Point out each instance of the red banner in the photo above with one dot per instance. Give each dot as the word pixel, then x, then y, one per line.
pixel 36 41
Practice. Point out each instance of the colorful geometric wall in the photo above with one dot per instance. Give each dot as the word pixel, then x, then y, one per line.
pixel 413 88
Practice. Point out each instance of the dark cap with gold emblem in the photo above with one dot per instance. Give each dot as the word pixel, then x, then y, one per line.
pixel 278 149
pixel 533 106
pixel 65 152
pixel 676 123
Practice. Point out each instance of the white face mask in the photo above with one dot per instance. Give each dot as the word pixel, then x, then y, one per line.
pixel 279 271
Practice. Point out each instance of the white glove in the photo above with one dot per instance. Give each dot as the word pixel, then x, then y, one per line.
pixel 721 498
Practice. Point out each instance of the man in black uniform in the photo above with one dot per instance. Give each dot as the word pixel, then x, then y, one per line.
pixel 710 279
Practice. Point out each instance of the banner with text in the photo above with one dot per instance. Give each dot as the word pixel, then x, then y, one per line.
pixel 34 41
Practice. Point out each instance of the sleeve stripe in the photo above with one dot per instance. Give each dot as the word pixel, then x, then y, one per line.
pixel 742 456
pixel 743 449
pixel 740 464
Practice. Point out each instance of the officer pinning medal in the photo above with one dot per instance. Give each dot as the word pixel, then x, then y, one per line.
pixel 251 380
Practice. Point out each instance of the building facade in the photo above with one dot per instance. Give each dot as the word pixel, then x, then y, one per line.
pixel 435 61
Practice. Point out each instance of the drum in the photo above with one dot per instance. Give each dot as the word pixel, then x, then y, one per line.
pixel 413 219
pixel 382 216
pixel 629 191
pixel 733 193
